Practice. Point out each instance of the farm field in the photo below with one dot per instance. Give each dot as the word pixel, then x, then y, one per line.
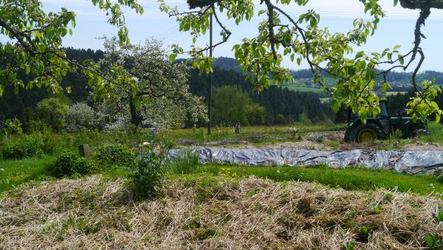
pixel 36 168
pixel 83 205
pixel 300 85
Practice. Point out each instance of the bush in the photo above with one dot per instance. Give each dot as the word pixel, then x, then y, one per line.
pixel 81 116
pixel 52 112
pixel 68 164
pixel 232 105
pixel 256 114
pixel 304 119
pixel 25 147
pixel 11 127
pixel 116 154
pixel 149 175
pixel 280 119
pixel 49 142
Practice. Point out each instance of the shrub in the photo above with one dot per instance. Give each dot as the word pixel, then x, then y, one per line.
pixel 256 114
pixel 304 119
pixel 280 119
pixel 68 164
pixel 116 154
pixel 52 112
pixel 11 127
pixel 27 146
pixel 48 141
pixel 232 105
pixel 149 175
pixel 81 116
pixel 36 125
pixel 24 147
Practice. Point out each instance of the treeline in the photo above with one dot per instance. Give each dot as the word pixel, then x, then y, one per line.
pixel 22 104
pixel 274 105
pixel 282 106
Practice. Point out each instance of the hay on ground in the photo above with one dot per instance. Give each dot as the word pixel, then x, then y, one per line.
pixel 211 213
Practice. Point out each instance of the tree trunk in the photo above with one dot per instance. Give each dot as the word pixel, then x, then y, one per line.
pixel 136 118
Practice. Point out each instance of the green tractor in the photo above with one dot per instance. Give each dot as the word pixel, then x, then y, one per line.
pixel 383 126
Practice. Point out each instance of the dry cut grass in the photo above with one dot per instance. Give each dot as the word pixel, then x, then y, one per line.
pixel 211 213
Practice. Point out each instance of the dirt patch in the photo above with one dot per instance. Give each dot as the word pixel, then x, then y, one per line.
pixel 423 146
pixel 324 141
pixel 247 214
pixel 313 141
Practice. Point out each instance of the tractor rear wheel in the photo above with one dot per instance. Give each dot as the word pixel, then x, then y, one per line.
pixel 364 133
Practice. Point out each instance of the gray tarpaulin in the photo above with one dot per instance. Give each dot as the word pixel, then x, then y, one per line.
pixel 402 161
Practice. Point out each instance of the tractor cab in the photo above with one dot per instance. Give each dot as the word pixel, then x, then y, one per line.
pixel 382 126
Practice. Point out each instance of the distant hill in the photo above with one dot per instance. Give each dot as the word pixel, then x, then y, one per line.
pixel 224 63
pixel 400 81
pixel 227 63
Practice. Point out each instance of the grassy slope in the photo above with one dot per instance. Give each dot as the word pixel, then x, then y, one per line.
pixel 300 86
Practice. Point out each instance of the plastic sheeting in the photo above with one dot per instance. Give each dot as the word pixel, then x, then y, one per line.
pixel 414 162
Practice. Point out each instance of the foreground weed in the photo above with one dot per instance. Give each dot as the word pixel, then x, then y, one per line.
pixel 433 242
pixel 350 245
pixel 149 175
pixel 185 164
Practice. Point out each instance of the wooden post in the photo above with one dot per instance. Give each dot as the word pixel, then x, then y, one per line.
pixel 84 150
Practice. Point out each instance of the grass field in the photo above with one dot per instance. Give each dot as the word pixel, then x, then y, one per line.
pixel 300 86
pixel 14 173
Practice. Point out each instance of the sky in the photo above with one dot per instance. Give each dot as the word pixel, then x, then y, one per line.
pixel 396 28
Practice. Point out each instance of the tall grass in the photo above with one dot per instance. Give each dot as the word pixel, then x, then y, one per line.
pixel 185 164
pixel 436 133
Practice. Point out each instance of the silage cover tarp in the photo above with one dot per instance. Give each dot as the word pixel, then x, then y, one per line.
pixel 413 162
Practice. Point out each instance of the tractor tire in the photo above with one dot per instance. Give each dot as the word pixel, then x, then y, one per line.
pixel 363 133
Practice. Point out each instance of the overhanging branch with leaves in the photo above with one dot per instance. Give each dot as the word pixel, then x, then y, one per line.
pixel 301 38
